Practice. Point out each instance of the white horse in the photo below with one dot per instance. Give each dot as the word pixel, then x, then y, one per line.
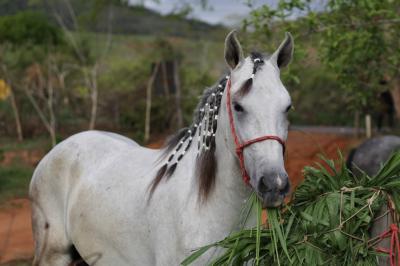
pixel 103 197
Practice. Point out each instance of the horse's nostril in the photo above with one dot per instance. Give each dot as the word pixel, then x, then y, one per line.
pixel 279 186
pixel 263 187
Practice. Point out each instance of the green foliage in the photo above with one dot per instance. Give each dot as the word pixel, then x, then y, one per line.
pixel 328 221
pixel 14 181
pixel 101 15
pixel 357 41
pixel 124 64
pixel 163 50
pixel 193 83
pixel 29 27
pixel 125 75
pixel 95 8
pixel 7 144
pixel 317 100
pixel 10 7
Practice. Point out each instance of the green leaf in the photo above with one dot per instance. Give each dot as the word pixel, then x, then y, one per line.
pixel 274 222
pixel 196 255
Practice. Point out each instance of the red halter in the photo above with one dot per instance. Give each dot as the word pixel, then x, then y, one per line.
pixel 241 146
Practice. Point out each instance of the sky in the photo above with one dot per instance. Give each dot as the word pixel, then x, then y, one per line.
pixel 228 12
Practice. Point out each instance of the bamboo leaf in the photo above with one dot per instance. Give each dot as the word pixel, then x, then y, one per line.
pixel 327 222
pixel 196 255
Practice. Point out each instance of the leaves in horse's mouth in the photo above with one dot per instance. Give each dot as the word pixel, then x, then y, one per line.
pixel 328 221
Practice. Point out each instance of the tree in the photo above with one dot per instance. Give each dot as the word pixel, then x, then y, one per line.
pixel 28 27
pixel 39 86
pixel 89 62
pixel 6 91
pixel 27 38
pixel 148 102
pixel 359 41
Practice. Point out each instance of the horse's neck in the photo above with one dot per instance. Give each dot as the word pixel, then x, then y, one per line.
pixel 220 213
pixel 229 183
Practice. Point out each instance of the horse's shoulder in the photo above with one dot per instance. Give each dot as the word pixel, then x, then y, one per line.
pixel 104 137
pixel 116 136
pixel 91 145
pixel 93 148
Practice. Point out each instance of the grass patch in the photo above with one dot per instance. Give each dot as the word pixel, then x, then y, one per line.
pixel 18 263
pixel 14 181
pixel 8 144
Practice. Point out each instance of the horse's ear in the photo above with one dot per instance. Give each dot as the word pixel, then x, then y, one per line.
pixel 283 55
pixel 233 50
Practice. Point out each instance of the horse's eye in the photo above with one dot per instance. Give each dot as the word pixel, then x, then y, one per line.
pixel 238 107
pixel 288 108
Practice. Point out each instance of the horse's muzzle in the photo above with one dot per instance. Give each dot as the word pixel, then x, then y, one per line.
pixel 272 189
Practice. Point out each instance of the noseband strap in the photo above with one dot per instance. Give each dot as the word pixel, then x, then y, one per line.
pixel 240 146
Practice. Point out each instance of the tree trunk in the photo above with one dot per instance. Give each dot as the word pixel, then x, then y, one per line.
pixel 167 90
pixel 94 94
pixel 395 92
pixel 16 114
pixel 14 106
pixel 179 117
pixel 73 39
pixel 93 110
pixel 165 80
pixel 148 103
pixel 49 123
pixel 50 106
pixel 52 133
pixel 368 126
pixel 41 115
pixel 116 114
pixel 61 79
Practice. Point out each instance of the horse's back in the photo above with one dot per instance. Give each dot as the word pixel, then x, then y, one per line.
pixel 81 153
pixel 84 157
pixel 372 153
pixel 116 137
pixel 80 175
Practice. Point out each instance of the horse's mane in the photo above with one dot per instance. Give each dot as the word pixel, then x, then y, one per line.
pixel 206 163
pixel 175 147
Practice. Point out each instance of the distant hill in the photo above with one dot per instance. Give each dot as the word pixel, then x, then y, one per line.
pixel 125 19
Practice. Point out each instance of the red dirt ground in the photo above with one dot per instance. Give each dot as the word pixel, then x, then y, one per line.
pixel 15 231
pixel 302 149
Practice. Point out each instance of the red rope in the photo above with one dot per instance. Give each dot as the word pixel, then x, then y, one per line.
pixel 394 250
pixel 241 146
pixel 393 233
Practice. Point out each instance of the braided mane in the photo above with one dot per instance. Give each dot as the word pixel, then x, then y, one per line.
pixel 205 122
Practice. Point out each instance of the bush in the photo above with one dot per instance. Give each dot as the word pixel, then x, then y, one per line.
pixel 14 181
pixel 29 27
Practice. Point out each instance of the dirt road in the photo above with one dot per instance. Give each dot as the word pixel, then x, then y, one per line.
pixel 302 149
pixel 15 231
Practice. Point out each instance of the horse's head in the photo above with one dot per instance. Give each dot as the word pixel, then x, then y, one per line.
pixel 260 103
